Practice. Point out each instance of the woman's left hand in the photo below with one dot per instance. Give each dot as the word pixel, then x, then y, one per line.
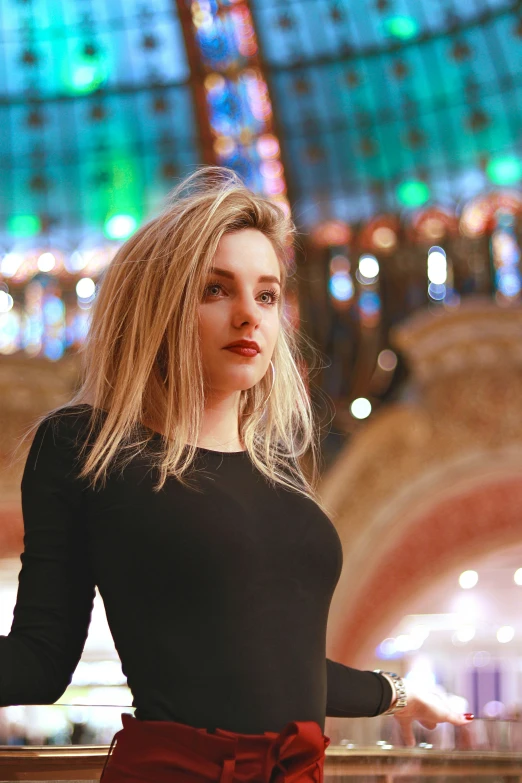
pixel 429 709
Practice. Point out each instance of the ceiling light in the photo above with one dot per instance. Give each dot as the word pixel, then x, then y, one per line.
pixel 468 579
pixel 505 634
pixel 465 634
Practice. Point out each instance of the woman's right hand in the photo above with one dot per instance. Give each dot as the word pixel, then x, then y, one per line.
pixel 430 709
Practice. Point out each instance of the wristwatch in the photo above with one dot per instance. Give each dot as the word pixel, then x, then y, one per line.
pixel 400 689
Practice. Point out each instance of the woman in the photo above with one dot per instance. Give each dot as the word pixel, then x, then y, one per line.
pixel 192 512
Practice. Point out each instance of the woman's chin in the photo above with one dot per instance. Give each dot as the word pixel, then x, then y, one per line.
pixel 241 381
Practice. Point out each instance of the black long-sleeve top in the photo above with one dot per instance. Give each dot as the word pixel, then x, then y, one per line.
pixel 217 602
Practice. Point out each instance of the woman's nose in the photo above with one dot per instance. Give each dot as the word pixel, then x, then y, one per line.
pixel 246 309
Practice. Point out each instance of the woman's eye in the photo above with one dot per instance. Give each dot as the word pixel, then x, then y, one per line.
pixel 272 294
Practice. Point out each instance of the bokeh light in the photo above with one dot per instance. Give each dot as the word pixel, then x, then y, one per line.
pixel 465 633
pixel 361 408
pixel 85 288
pixel 120 226
pixel 413 193
pixel 46 262
pixel 468 579
pixel 505 634
pixel 387 360
pixel 368 267
pixel 24 225
pixel 506 170
pixel 402 27
pixel 437 266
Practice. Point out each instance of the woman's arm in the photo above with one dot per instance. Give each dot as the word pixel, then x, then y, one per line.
pixel 55 584
pixel 352 693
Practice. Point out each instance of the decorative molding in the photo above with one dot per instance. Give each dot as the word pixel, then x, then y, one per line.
pixel 429 481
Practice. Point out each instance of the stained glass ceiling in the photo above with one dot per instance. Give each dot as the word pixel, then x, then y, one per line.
pixel 378 105
pixel 385 105
pixel 339 110
pixel 296 29
pixel 96 116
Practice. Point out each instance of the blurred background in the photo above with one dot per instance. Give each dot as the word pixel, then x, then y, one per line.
pixel 391 129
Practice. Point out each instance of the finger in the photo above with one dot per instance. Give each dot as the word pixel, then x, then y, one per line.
pixel 407 733
pixel 456 719
pixel 428 724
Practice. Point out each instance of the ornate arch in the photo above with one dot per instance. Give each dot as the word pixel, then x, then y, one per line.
pixel 431 482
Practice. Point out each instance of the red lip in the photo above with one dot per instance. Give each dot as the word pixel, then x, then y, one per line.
pixel 244 344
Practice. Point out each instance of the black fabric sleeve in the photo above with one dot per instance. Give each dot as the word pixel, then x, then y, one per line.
pixel 55 585
pixel 352 693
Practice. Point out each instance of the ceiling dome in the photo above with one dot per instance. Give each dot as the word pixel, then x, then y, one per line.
pixel 360 117
pixel 382 109
pixel 376 108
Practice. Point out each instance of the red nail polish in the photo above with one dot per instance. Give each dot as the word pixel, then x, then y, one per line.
pixel 469 715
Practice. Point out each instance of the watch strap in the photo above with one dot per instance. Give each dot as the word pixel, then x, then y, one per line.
pixel 400 690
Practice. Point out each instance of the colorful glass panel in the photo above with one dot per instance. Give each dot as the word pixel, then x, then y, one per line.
pixel 238 101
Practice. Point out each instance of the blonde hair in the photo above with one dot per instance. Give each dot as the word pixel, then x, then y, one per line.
pixel 141 362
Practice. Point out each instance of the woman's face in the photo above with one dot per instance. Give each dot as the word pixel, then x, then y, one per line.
pixel 239 305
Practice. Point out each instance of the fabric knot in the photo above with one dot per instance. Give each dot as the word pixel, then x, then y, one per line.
pixel 228 770
pixel 296 754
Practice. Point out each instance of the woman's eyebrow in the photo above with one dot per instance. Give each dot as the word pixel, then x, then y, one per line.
pixel 231 276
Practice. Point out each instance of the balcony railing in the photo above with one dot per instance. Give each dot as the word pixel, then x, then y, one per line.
pixel 485 751
pixel 362 765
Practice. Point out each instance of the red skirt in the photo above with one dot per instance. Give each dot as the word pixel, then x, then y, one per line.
pixel 149 751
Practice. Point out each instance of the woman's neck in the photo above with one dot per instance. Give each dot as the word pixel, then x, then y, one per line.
pixel 219 428
pixel 219 425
